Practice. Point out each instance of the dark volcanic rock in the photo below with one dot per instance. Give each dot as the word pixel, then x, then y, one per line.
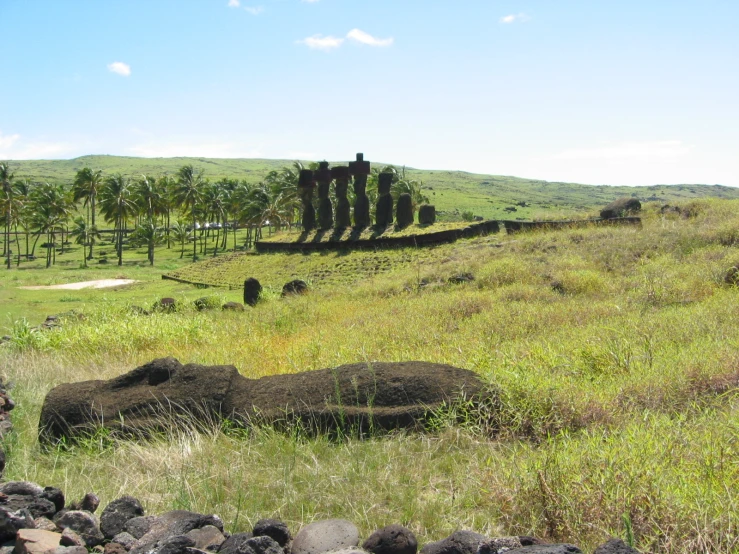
pixel 207 538
pixel 426 214
pixel 139 526
pixel 252 291
pixel 547 549
pixel 621 208
pixel 615 546
pixel 358 396
pixel 165 305
pixel 295 287
pixel 117 513
pixel 11 522
pixel 233 306
pixel 393 539
pixel 21 487
pixel 459 542
pixel 55 496
pixel 235 543
pixel 84 524
pixel 273 528
pixel 325 536
pixel 404 211
pixel 171 524
pixel 37 506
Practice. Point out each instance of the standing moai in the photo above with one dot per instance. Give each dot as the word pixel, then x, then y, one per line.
pixel 343 209
pixel 360 170
pixel 305 189
pixel 325 208
pixel 384 208
pixel 427 214
pixel 404 211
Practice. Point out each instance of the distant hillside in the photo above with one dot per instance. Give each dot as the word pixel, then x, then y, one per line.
pixel 452 192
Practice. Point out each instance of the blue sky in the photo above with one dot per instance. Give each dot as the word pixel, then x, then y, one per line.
pixel 599 91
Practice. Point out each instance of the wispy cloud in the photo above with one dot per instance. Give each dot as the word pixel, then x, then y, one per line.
pixel 120 68
pixel 319 42
pixel 7 141
pixel 256 10
pixel 365 38
pixel 12 147
pixel 233 3
pixel 515 17
pixel 661 149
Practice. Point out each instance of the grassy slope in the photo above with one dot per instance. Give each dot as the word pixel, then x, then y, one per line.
pixel 618 387
pixel 452 191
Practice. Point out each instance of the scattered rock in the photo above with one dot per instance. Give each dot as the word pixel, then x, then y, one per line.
pixel 171 524
pixel 55 496
pixel 115 548
pixel 139 526
pixel 165 305
pixel 178 544
pixel 459 278
pixel 621 207
pixel 235 543
pixel 69 550
pixel 89 503
pixel 393 539
pixel 25 488
pixel 11 522
pixel 125 539
pixel 325 536
pixel 499 545
pixel 558 287
pixel 273 528
pixel 252 291
pixel 615 546
pixel 732 276
pixel 459 542
pixel 233 306
pixel 427 214
pixel 204 303
pixel 37 506
pixel 547 549
pixel 117 513
pixel 46 524
pixel 295 287
pixel 530 541
pixel 84 524
pixel 36 541
pixel 70 538
pixel 207 538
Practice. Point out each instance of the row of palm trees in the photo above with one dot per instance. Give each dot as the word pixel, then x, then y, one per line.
pixel 141 210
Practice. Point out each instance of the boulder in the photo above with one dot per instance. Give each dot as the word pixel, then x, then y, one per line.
pixel 325 536
pixel 126 540
pixel 171 524
pixel 273 528
pixel 68 550
pixel 235 543
pixel 252 291
pixel 84 524
pixel 114 548
pixel 70 538
pixel 37 506
pixel 139 526
pixel 207 538
pixel 459 542
pixel 233 307
pixel 165 305
pixel 393 539
pixel 296 286
pixel 178 544
pixel 55 496
pixel 25 488
pixel 117 513
pixel 547 549
pixel 253 545
pixel 499 545
pixel 46 524
pixel 615 546
pixel 621 207
pixel 35 541
pixel 12 522
pixel 377 395
pixel 89 503
pixel 459 278
pixel 732 275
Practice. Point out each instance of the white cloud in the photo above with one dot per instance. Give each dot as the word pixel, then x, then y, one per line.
pixel 319 42
pixel 513 17
pixel 13 148
pixel 169 149
pixel 254 10
pixel 7 141
pixel 233 3
pixel 365 38
pixel 650 150
pixel 120 68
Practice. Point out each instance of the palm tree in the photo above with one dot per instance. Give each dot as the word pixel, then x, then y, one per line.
pixel 187 194
pixel 84 234
pixel 50 207
pixel 150 234
pixel 117 206
pixel 148 196
pixel 7 202
pixel 165 186
pixel 180 233
pixel 87 185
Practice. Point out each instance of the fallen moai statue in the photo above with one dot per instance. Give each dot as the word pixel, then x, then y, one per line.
pixel 359 397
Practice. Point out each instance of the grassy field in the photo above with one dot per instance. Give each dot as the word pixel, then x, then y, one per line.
pixel 453 192
pixel 614 351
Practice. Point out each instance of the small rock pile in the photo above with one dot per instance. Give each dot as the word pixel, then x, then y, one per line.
pixel 36 520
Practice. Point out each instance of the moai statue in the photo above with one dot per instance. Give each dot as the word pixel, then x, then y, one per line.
pixel 384 209
pixel 427 214
pixel 360 170
pixel 325 208
pixel 343 210
pixel 305 189
pixel 404 211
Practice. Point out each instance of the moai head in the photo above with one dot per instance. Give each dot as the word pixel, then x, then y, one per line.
pixel 359 167
pixel 384 182
pixel 323 173
pixel 340 173
pixel 305 179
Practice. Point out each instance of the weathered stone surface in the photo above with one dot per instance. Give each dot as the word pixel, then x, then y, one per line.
pixel 55 496
pixel 325 536
pixel 207 538
pixel 117 513
pixel 233 307
pixel 343 208
pixel 36 541
pixel 235 544
pixel 615 546
pixel 178 544
pixel 68 550
pixel 348 550
pixel 70 538
pixel 621 208
pixel 297 286
pixel 273 528
pixel 547 549
pixel 125 539
pixel 139 526
pixel 383 395
pixel 171 524
pixel 393 539
pixel 11 522
pixel 165 305
pixel 114 548
pixel 360 170
pixel 46 524
pixel 84 524
pixel 459 542
pixel 254 545
pixel 252 291
pixel 325 207
pixel 37 506
pixel 89 503
pixel 384 207
pixel 499 545
pixel 25 488
pixel 404 211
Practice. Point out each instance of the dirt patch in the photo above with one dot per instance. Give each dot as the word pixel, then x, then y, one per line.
pixel 99 284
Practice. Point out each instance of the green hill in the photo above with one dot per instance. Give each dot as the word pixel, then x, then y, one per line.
pixel 453 192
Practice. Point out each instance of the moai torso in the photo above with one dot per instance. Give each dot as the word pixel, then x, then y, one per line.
pixel 325 208
pixel 360 170
pixel 305 189
pixel 384 210
pixel 340 175
pixel 404 212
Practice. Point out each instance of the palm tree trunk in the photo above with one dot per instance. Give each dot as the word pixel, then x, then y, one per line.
pixel 194 240
pixel 92 212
